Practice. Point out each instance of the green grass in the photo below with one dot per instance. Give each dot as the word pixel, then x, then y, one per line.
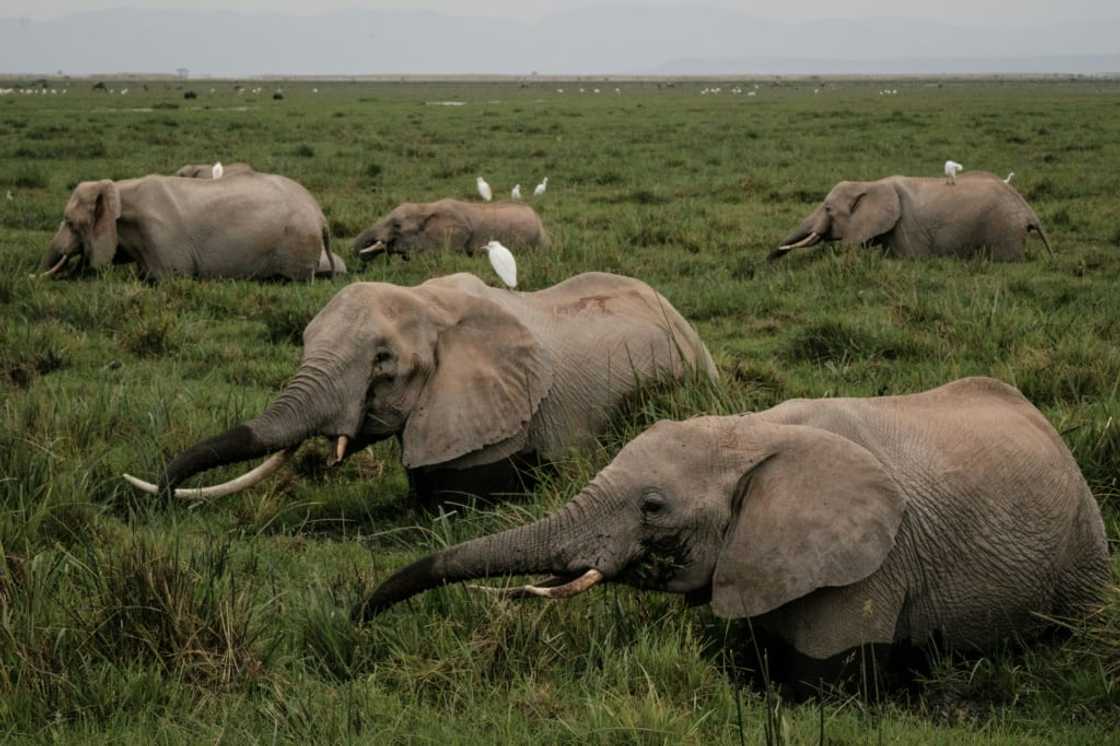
pixel 121 618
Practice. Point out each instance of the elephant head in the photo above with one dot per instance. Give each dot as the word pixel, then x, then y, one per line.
pixel 746 513
pixel 412 227
pixel 89 227
pixel 856 212
pixel 443 368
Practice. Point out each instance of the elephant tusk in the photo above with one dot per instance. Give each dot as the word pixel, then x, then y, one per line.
pixel 809 240
pixel 584 582
pixel 248 479
pixel 372 249
pixel 58 265
pixel 340 449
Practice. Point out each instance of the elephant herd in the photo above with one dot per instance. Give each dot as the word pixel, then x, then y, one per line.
pixel 956 515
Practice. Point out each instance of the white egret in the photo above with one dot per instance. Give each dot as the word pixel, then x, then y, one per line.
pixel 516 191
pixel 9 195
pixel 217 171
pixel 951 170
pixel 484 189
pixel 1010 176
pixel 501 259
pixel 540 190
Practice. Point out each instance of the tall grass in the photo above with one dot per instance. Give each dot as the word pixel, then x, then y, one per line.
pixel 122 618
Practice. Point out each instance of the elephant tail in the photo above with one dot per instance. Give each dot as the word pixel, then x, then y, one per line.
pixel 1037 228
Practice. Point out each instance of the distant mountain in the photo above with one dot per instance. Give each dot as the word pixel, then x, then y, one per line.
pixel 618 39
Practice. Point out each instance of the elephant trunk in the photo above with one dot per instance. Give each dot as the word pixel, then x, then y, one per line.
pixel 811 232
pixel 556 544
pixel 308 404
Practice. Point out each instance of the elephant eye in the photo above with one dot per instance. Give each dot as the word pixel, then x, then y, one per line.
pixel 654 503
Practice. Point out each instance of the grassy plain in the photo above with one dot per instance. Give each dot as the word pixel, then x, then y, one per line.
pixel 127 621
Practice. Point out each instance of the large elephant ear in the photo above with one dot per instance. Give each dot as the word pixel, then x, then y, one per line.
pixel 96 206
pixel 874 211
pixel 490 377
pixel 816 511
pixel 446 228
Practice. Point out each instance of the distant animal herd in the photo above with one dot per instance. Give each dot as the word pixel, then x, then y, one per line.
pixel 956 514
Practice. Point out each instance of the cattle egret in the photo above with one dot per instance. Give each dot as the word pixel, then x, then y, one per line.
pixel 516 192
pixel 9 195
pixel 314 90
pixel 951 170
pixel 217 171
pixel 540 190
pixel 484 189
pixel 596 90
pixel 1010 176
pixel 503 262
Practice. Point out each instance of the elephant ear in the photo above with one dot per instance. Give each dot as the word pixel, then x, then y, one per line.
pixel 96 206
pixel 490 376
pixel 446 228
pixel 874 211
pixel 816 511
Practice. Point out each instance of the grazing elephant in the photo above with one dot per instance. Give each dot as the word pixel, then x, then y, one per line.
pixel 206 170
pixel 915 217
pixel 454 224
pixel 957 513
pixel 257 225
pixel 472 380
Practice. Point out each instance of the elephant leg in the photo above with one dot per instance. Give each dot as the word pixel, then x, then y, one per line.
pixel 509 478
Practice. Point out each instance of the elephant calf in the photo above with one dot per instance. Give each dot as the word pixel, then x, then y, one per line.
pixel 831 523
pixel 916 217
pixel 451 223
pixel 472 380
pixel 254 226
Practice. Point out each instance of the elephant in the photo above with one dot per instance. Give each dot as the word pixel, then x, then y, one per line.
pixel 254 226
pixel 206 170
pixel 956 514
pixel 474 382
pixel 450 223
pixel 918 217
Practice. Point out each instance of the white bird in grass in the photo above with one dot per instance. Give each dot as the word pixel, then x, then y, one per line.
pixel 516 192
pixel 951 170
pixel 501 259
pixel 540 190
pixel 217 171
pixel 9 195
pixel 484 189
pixel 1010 176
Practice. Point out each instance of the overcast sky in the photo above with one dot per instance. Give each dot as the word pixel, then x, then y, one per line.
pixel 581 37
pixel 947 10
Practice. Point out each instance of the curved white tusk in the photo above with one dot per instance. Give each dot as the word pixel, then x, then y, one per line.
pixel 56 267
pixel 248 479
pixel 373 249
pixel 588 580
pixel 340 449
pixel 809 240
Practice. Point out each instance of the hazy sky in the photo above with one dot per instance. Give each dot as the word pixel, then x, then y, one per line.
pixel 946 10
